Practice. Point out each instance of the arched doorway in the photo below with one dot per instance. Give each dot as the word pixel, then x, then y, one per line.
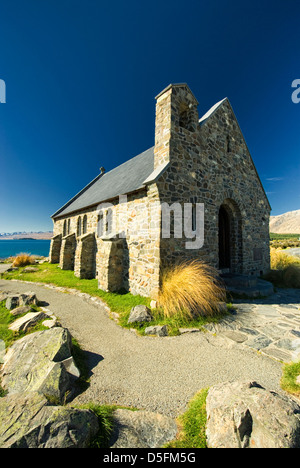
pixel 230 237
pixel 224 239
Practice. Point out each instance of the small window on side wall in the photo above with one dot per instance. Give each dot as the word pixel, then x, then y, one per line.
pixel 65 228
pixel 79 227
pixel 228 144
pixel 84 225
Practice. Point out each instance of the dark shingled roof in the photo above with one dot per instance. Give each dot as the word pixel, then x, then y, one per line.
pixel 125 178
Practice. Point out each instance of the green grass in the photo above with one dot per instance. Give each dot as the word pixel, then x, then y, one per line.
pixel 9 336
pixel 52 274
pixel 173 323
pixel 274 236
pixel 121 302
pixel 192 424
pixel 289 376
pixel 6 319
pixel 284 241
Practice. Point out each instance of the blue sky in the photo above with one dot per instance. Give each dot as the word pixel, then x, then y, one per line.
pixel 81 77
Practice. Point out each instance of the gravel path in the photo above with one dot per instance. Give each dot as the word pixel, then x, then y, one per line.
pixel 157 374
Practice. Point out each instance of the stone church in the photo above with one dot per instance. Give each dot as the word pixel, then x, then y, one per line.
pixel 194 162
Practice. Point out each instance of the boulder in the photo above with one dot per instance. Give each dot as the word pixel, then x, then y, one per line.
pixel 53 322
pixel 20 310
pixel 158 330
pixel 40 362
pixel 141 429
pixel 29 421
pixel 27 321
pixel 28 298
pixel 30 269
pixel 140 313
pixel 17 300
pixel 245 415
pixel 3 296
pixel 12 302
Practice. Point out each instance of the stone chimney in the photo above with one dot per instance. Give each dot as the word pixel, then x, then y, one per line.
pixel 176 109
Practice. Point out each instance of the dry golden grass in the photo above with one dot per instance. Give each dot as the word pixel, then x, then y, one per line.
pixel 281 260
pixel 23 259
pixel 190 289
pixel 285 270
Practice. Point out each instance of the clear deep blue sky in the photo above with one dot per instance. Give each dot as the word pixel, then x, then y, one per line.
pixel 81 77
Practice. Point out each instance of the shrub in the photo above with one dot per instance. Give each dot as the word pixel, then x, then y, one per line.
pixel 281 260
pixel 285 270
pixel 190 289
pixel 23 259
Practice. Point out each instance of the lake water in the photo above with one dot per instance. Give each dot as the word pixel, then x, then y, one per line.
pixel 9 248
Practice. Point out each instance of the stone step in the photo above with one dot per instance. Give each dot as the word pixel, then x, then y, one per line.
pixel 235 280
pixel 249 286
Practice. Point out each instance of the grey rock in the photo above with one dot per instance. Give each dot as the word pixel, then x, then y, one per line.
pixel 291 345
pixel 20 310
pixel 27 321
pixel 30 269
pixel 53 322
pixel 140 313
pixel 245 415
pixel 28 298
pixel 259 342
pixel 12 302
pixel 28 421
pixel 36 363
pixel 236 336
pixel 3 296
pixel 141 429
pixel 278 354
pixel 159 330
pixel 25 299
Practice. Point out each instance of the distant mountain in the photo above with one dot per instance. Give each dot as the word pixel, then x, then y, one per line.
pixel 287 223
pixel 26 235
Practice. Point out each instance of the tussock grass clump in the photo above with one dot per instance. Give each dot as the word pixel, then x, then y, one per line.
pixel 285 270
pixel 23 259
pixel 190 289
pixel 281 260
pixel 289 382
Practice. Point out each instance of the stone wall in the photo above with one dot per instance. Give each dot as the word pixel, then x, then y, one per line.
pixel 85 256
pixel 210 163
pixel 67 252
pixel 55 246
pixel 137 223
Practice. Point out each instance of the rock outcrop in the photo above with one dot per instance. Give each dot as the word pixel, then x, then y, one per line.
pixel 245 415
pixel 140 313
pixel 40 362
pixel 29 421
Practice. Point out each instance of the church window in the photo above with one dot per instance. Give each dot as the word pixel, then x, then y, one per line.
pixel 84 224
pixel 79 227
pixel 65 228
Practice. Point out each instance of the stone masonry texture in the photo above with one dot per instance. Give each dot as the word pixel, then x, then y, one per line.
pixel 205 162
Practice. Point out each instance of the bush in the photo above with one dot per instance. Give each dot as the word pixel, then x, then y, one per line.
pixel 23 259
pixel 285 270
pixel 190 289
pixel 281 260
